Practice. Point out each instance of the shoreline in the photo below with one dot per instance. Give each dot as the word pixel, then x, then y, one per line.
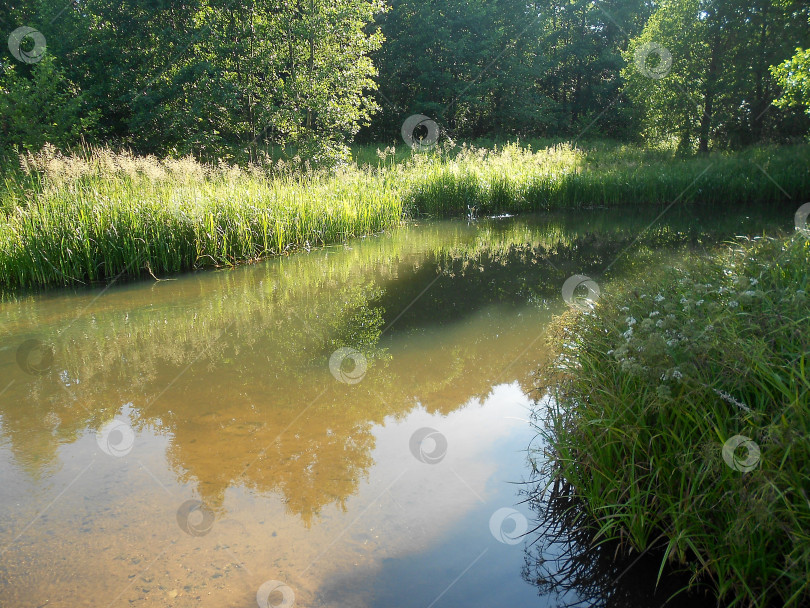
pixel 104 215
pixel 682 405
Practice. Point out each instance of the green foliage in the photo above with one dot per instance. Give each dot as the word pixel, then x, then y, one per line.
pixel 227 81
pixel 93 216
pixel 720 87
pixel 513 179
pixel 219 79
pixel 650 386
pixel 503 67
pixel 105 215
pixel 47 107
pixel 793 75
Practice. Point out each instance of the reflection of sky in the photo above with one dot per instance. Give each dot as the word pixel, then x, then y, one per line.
pixel 91 525
pixel 439 548
pixel 433 496
pixel 115 517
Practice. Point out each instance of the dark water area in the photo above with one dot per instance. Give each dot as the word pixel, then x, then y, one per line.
pixel 346 427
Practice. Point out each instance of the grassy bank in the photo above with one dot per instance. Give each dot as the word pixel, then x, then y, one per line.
pixel 654 389
pixel 97 215
pixel 95 218
pixel 605 174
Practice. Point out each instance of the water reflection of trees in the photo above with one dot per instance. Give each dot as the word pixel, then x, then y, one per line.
pixel 243 356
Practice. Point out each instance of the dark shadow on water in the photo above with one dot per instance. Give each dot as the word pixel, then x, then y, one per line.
pixel 452 283
pixel 567 559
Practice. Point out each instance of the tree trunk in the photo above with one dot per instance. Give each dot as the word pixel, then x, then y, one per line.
pixel 685 142
pixel 708 98
pixel 760 102
pixel 311 57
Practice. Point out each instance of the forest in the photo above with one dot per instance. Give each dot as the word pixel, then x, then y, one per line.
pixel 227 80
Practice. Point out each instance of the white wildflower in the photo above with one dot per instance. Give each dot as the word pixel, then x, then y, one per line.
pixel 726 397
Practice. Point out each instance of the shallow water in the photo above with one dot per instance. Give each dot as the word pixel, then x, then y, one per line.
pixel 352 423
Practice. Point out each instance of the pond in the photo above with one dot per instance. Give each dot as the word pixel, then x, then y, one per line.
pixel 344 427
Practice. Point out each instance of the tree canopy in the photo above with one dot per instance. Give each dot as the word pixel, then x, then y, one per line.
pixel 221 79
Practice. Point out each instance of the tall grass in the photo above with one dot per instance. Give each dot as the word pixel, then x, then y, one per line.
pixel 562 177
pixel 652 384
pixel 162 217
pixel 96 215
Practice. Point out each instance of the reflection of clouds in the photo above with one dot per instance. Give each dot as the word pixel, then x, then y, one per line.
pixel 336 464
pixel 115 522
pixel 427 500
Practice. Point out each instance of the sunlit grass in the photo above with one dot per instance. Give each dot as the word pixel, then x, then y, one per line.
pixel 92 222
pixel 649 387
pixel 97 214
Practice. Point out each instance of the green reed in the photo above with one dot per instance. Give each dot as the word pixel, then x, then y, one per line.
pixel 649 387
pixel 96 229
pixel 96 215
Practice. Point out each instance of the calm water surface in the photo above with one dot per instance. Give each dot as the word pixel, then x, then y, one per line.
pixel 351 423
